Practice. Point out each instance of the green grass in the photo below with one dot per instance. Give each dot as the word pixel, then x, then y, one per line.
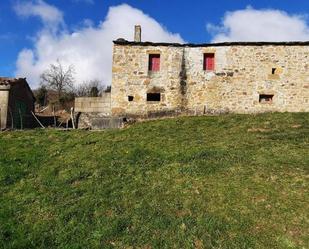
pixel 234 181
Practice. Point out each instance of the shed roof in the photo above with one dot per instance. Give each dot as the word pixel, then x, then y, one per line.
pixel 7 81
pixel 10 81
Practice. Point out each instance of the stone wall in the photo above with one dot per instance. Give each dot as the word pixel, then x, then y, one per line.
pixel 242 74
pixel 97 121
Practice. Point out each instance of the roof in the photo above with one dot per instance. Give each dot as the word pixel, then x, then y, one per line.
pixel 10 81
pixel 6 81
pixel 220 44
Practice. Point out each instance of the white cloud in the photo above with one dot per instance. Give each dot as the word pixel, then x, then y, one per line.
pixel 51 17
pixel 260 25
pixel 88 48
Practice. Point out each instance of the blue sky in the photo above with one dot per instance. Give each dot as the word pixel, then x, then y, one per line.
pixel 23 31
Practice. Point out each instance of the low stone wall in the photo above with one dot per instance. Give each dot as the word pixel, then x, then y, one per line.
pixel 94 104
pixel 97 121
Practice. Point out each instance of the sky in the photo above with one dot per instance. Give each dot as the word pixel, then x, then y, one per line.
pixel 37 33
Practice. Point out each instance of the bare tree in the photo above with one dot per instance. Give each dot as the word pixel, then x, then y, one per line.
pixel 92 88
pixel 58 78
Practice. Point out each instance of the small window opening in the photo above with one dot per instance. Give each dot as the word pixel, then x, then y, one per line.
pixel 209 62
pixel 153 97
pixel 266 98
pixel 130 98
pixel 154 62
pixel 273 70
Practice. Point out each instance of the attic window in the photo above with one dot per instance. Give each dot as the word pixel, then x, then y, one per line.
pixel 266 98
pixel 154 97
pixel 154 62
pixel 130 98
pixel 273 70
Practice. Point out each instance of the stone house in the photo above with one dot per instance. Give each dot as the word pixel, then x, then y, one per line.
pixel 16 103
pixel 158 79
pixel 153 79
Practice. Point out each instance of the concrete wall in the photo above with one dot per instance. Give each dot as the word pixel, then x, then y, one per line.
pixel 242 73
pixel 4 101
pixel 95 113
pixel 94 104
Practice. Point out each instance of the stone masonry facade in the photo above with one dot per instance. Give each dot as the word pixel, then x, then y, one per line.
pixel 246 78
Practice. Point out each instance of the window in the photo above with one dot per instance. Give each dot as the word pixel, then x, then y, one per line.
pixel 130 98
pixel 209 62
pixel 266 98
pixel 154 62
pixel 273 70
pixel 153 97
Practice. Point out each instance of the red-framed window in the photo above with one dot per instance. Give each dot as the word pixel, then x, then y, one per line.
pixel 154 62
pixel 209 62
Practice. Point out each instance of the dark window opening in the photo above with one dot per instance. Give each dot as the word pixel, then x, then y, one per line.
pixel 130 98
pixel 266 98
pixel 273 70
pixel 154 62
pixel 209 62
pixel 153 97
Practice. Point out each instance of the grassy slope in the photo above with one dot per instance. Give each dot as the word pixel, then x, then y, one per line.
pixel 232 181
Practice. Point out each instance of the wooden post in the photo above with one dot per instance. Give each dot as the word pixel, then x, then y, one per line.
pixel 12 119
pixel 72 117
pixel 38 120
pixel 55 122
pixel 21 119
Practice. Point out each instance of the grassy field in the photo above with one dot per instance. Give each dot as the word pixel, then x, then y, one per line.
pixel 234 181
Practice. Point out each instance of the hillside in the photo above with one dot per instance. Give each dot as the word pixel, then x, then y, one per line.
pixel 234 181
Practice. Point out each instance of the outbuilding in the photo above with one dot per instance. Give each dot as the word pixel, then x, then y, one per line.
pixel 16 103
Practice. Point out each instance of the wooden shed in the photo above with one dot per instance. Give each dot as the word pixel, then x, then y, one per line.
pixel 16 104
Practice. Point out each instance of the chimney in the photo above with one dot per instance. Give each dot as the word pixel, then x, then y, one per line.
pixel 138 33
